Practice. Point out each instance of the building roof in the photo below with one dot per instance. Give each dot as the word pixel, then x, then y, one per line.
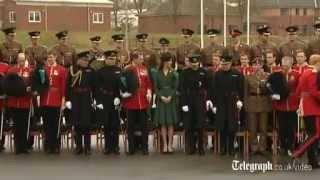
pixel 67 1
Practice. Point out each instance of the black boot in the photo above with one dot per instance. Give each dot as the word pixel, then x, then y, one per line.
pixel 87 144
pixel 107 144
pixel 231 150
pixel 200 142
pixel 87 151
pixel 79 148
pixel 78 151
pixel 190 142
pixel 115 143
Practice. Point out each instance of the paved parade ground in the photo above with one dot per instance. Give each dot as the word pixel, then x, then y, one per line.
pixel 38 165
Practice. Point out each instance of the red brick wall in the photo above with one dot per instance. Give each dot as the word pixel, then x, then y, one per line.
pixel 8 5
pixel 23 18
pixel 59 17
pixel 106 26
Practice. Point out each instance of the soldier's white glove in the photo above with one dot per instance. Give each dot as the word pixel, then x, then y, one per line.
pixel 275 97
pixel 68 105
pixel 185 108
pixel 209 105
pixel 154 106
pixel 100 106
pixel 94 102
pixel 214 110
pixel 116 101
pixel 239 104
pixel 126 95
pixel 299 112
pixel 149 96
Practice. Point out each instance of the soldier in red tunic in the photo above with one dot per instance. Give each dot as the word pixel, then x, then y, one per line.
pixel 302 64
pixel 52 102
pixel 137 103
pixel 20 104
pixel 309 109
pixel 245 68
pixel 286 107
pixel 3 71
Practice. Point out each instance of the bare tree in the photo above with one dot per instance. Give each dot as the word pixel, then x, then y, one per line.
pixel 117 6
pixel 175 10
pixel 139 5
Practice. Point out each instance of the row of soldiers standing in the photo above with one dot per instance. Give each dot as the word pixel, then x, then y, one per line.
pixel 227 81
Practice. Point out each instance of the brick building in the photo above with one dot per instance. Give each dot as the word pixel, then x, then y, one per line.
pixel 171 17
pixel 51 15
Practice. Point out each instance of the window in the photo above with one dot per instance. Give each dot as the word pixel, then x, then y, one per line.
pixel 34 16
pixel 305 11
pixel 12 16
pixel 98 18
pixel 297 12
pixel 284 12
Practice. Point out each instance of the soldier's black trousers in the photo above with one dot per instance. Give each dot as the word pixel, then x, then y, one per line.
pixel 137 117
pixel 311 130
pixel 111 129
pixel 227 141
pixel 83 131
pixel 287 128
pixel 20 118
pixel 51 121
pixel 194 137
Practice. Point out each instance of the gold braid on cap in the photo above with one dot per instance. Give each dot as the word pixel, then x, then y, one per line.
pixel 75 76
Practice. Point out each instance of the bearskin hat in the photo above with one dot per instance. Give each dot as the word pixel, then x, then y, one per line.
pixel 277 84
pixel 13 85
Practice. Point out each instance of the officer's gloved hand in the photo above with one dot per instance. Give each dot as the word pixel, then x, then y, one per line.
pixel 100 106
pixel 299 113
pixel 154 106
pixel 126 95
pixel 275 97
pixel 68 105
pixel 209 105
pixel 185 108
pixel 239 104
pixel 214 110
pixel 116 101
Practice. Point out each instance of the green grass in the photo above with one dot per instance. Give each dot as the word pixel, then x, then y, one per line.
pixel 80 40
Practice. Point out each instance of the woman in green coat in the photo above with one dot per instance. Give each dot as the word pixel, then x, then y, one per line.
pixel 166 84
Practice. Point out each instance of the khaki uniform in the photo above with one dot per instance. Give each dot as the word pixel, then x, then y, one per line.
pixel 36 54
pixel 9 51
pixel 290 48
pixel 257 104
pixel 259 51
pixel 183 51
pixel 313 47
pixel 66 54
pixel 207 52
pixel 95 54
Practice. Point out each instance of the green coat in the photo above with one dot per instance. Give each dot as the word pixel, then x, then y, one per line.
pixel 166 86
